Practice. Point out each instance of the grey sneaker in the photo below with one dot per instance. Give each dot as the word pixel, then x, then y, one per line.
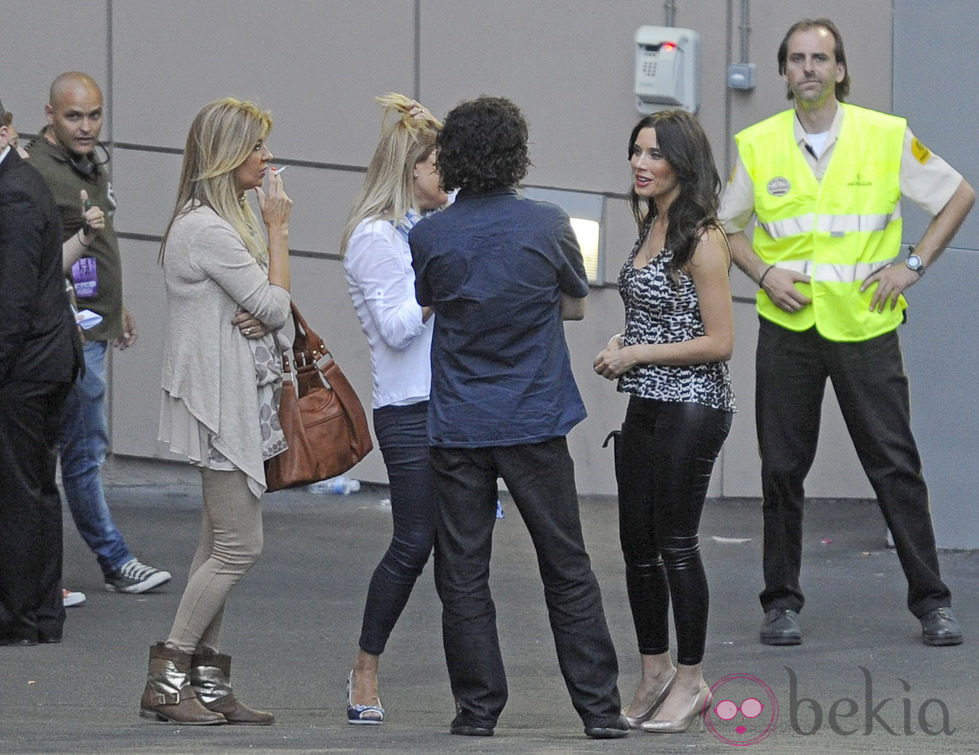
pixel 134 577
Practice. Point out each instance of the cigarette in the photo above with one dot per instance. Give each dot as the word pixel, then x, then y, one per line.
pixel 280 171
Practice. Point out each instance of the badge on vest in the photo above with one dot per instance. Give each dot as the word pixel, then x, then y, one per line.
pixel 779 186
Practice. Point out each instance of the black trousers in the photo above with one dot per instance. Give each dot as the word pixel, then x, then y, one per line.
pixel 31 604
pixel 540 477
pixel 663 462
pixel 872 389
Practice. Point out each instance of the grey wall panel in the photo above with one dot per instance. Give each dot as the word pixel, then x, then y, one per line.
pixel 570 67
pixel 740 464
pixel 40 40
pixel 942 361
pixel 606 407
pixel 134 382
pixel 314 64
pixel 935 87
pixel 620 236
pixel 145 185
pixel 321 202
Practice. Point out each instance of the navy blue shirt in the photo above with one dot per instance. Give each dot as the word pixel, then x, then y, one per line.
pixel 493 267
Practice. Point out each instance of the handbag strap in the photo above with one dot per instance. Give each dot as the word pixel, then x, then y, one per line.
pixel 307 346
pixel 315 366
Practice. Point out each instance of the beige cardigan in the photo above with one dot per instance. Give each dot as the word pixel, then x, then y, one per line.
pixel 208 364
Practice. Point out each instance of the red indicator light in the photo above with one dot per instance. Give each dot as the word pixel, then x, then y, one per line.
pixel 669 46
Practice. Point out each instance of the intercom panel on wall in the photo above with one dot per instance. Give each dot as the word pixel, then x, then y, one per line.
pixel 667 69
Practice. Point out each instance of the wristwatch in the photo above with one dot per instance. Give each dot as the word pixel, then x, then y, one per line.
pixel 915 264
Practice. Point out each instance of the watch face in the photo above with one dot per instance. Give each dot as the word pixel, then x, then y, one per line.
pixel 914 262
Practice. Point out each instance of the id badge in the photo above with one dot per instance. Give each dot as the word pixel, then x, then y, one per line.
pixel 87 319
pixel 85 277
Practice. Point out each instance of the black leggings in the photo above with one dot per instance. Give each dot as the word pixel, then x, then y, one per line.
pixel 664 459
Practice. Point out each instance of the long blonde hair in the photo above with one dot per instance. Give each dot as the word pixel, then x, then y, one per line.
pixel 388 190
pixel 222 136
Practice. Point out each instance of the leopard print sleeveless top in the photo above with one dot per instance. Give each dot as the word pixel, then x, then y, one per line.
pixel 659 310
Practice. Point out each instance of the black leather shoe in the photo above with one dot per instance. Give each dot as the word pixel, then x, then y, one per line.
pixel 616 730
pixel 939 627
pixel 781 627
pixel 461 727
pixel 17 641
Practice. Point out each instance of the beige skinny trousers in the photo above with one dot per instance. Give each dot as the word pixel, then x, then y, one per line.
pixel 230 544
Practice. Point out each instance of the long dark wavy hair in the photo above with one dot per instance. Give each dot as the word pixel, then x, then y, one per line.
pixel 483 146
pixel 686 148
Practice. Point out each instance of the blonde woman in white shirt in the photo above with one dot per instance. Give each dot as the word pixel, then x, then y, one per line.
pixel 402 183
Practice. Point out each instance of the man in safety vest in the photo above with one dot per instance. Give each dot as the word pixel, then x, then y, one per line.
pixel 824 180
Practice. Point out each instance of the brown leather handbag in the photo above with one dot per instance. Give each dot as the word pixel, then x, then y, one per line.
pixel 322 418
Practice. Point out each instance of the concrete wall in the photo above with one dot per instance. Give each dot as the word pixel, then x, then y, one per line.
pixel 938 94
pixel 569 63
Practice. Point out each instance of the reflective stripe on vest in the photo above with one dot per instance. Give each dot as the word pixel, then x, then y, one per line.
pixel 829 273
pixel 834 225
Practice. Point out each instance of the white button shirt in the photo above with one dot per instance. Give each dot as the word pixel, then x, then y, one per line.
pixel 381 281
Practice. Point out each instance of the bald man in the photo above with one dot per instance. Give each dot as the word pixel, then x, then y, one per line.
pixel 69 157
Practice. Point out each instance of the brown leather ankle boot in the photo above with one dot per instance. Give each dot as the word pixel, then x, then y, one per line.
pixel 168 695
pixel 210 675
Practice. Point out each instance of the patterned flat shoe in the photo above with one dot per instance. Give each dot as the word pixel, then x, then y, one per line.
pixel 362 714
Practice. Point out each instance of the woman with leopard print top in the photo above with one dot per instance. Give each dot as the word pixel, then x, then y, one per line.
pixel 672 360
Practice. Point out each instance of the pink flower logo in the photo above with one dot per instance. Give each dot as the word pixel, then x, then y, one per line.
pixel 743 710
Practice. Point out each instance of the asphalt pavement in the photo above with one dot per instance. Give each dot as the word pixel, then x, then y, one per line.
pixel 862 681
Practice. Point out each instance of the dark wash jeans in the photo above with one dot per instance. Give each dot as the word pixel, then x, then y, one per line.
pixel 403 441
pixel 663 463
pixel 540 477
pixel 872 389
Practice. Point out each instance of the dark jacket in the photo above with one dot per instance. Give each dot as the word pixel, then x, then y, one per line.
pixel 65 182
pixel 493 266
pixel 38 338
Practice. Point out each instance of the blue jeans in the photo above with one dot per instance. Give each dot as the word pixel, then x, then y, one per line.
pixel 403 440
pixel 84 442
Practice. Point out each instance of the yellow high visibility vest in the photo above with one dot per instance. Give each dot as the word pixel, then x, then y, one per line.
pixel 838 230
